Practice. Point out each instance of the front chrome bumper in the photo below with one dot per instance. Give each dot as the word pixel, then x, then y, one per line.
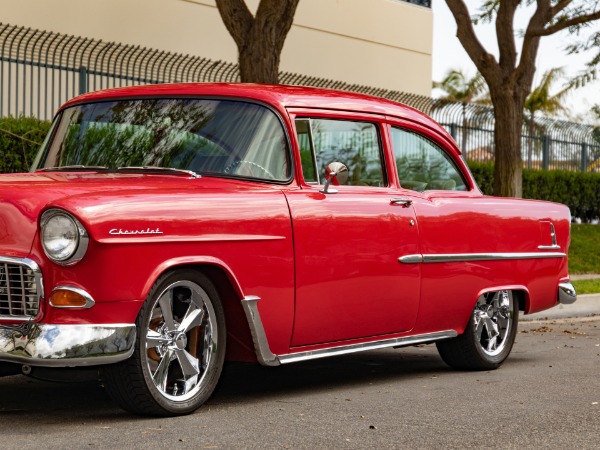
pixel 47 345
pixel 566 293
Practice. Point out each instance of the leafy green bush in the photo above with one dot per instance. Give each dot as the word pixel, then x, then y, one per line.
pixel 20 139
pixel 578 190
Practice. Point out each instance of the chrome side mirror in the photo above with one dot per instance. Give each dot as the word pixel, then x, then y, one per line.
pixel 337 173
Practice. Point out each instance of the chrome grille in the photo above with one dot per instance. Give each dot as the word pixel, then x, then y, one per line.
pixel 20 286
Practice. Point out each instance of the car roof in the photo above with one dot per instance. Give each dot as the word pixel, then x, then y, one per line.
pixel 279 96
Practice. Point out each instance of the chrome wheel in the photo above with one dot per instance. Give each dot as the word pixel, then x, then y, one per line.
pixel 181 339
pixel 489 335
pixel 492 321
pixel 179 350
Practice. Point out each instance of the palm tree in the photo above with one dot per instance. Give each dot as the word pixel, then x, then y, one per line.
pixel 459 88
pixel 540 100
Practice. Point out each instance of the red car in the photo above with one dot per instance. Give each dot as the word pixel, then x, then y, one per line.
pixel 167 229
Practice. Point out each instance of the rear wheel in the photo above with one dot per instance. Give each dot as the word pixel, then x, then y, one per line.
pixel 179 350
pixel 489 336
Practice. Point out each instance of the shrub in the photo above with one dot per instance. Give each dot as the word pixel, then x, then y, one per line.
pixel 20 139
pixel 578 190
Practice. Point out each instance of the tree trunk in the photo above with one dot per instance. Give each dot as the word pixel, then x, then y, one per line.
pixel 508 167
pixel 259 60
pixel 259 38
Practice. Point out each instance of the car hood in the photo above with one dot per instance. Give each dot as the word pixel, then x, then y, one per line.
pixel 92 198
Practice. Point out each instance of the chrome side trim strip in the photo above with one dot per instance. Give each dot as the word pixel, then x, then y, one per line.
pixel 411 259
pixel 464 257
pixel 261 345
pixel 352 348
pixel 39 344
pixel 267 358
pixel 554 245
pixel 89 301
pixel 566 293
pixel 549 247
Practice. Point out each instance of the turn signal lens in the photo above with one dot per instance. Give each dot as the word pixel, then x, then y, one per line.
pixel 68 298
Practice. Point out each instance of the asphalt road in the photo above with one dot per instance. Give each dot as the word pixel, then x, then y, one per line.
pixel 547 395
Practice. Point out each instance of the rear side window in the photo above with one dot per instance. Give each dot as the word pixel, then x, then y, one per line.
pixel 422 165
pixel 356 144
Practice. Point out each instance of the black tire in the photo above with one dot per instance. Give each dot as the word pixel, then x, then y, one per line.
pixel 179 355
pixel 489 336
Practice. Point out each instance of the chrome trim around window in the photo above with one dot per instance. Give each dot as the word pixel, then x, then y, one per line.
pixel 465 257
pixel 566 293
pixel 267 358
pixel 89 301
pixel 46 345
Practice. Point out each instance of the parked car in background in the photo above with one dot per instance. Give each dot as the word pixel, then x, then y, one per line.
pixel 166 229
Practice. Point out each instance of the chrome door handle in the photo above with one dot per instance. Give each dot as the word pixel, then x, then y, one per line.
pixel 406 202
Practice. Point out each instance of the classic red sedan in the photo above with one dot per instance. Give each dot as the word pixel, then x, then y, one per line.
pixel 166 229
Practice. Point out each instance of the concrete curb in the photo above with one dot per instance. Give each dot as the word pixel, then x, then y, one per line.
pixel 586 305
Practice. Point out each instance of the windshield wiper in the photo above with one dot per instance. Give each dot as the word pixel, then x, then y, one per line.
pixel 161 170
pixel 75 168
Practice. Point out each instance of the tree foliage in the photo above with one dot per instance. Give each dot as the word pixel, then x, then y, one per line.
pixel 459 88
pixel 542 100
pixel 260 37
pixel 510 75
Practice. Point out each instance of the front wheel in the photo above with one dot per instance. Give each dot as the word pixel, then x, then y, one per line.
pixel 489 336
pixel 179 349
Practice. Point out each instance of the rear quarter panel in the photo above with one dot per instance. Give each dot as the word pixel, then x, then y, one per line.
pixel 462 224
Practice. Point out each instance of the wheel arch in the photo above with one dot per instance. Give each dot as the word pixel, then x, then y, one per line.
pixel 519 291
pixel 239 344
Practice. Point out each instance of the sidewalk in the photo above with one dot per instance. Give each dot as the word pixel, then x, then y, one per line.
pixel 585 306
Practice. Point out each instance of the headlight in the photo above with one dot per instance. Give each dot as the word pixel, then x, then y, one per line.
pixel 64 239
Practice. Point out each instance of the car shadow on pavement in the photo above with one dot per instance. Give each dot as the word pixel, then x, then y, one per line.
pixel 240 382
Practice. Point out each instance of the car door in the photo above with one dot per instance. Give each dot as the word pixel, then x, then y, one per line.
pixel 470 243
pixel 349 283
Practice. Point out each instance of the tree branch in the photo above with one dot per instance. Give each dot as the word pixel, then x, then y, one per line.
pixel 570 23
pixel 484 61
pixel 560 6
pixel 505 34
pixel 237 19
pixel 277 17
pixel 531 41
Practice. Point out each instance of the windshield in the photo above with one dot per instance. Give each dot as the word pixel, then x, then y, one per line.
pixel 209 137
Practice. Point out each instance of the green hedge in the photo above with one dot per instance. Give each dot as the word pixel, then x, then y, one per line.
pixel 579 190
pixel 20 139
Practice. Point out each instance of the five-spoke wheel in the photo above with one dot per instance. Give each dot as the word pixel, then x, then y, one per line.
pixel 489 336
pixel 179 351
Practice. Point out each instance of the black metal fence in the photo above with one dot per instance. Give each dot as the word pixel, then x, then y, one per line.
pixel 546 143
pixel 40 70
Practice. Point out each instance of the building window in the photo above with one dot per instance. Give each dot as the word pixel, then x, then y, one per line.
pixel 425 3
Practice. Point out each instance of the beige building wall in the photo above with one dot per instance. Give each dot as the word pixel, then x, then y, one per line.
pixel 380 43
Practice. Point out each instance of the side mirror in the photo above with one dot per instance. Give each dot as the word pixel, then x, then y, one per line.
pixel 337 173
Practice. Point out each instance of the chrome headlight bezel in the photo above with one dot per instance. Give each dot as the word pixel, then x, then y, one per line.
pixel 78 238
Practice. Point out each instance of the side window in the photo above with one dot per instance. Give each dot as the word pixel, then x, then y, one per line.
pixel 422 165
pixel 355 144
pixel 306 152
